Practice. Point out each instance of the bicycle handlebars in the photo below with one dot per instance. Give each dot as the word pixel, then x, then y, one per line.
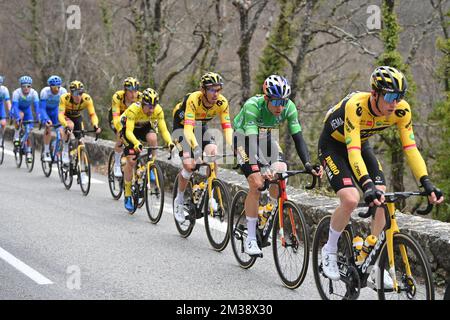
pixel 285 175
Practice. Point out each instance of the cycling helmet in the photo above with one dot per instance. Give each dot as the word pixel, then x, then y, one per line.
pixel 131 83
pixel 211 79
pixel 388 79
pixel 25 80
pixel 150 96
pixel 76 86
pixel 54 81
pixel 1 80
pixel 276 87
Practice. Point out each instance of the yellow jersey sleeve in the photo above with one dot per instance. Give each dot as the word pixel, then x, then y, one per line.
pixel 62 109
pixel 162 127
pixel 226 123
pixel 189 122
pixel 405 127
pixel 115 109
pixel 131 117
pixel 87 100
pixel 352 135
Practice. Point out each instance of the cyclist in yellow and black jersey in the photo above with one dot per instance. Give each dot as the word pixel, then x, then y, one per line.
pixel 349 159
pixel 121 100
pixel 200 106
pixel 141 122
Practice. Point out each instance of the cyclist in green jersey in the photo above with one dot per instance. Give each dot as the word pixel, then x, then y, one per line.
pixel 258 153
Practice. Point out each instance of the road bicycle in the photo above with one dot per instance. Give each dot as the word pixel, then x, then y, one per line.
pixel 206 197
pixel 79 164
pixel 399 254
pixel 55 154
pixel 285 229
pixel 25 146
pixel 147 184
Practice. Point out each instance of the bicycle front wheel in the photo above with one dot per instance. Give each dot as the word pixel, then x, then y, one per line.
pixel 46 165
pixel 239 233
pixel 84 171
pixel 291 246
pixel 2 146
pixel 217 216
pixel 154 193
pixel 30 160
pixel 328 289
pixel 185 228
pixel 412 271
pixel 115 184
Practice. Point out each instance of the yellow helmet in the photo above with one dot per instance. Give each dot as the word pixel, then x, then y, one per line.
pixel 388 79
pixel 131 83
pixel 76 87
pixel 150 96
pixel 211 79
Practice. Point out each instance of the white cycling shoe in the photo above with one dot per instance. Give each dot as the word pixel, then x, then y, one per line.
pixel 388 283
pixel 179 211
pixel 251 248
pixel 329 265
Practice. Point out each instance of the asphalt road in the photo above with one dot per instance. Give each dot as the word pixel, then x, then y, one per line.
pixel 59 244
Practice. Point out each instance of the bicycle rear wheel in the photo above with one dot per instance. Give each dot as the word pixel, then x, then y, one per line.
pixel 115 184
pixel 408 255
pixel 2 146
pixel 291 255
pixel 18 155
pixel 46 165
pixel 185 228
pixel 217 222
pixel 238 227
pixel 329 289
pixel 154 193
pixel 84 171
pixel 30 162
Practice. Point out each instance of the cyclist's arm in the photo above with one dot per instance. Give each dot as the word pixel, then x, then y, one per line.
pixel 352 136
pixel 129 128
pixel 43 107
pixel 115 110
pixel 36 103
pixel 295 129
pixel 163 128
pixel 413 156
pixel 62 111
pixel 226 125
pixel 189 123
pixel 7 99
pixel 15 106
pixel 91 111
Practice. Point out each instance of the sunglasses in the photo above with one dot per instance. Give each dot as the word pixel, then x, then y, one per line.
pixel 77 93
pixel 390 97
pixel 279 102
pixel 55 87
pixel 211 90
pixel 26 86
pixel 149 105
pixel 132 88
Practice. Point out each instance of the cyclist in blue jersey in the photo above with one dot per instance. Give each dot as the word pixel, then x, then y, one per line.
pixel 4 100
pixel 48 109
pixel 22 99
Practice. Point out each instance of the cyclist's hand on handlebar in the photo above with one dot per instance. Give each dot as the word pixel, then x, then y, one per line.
pixel 198 153
pixel 316 169
pixel 48 123
pixel 435 195
pixel 98 130
pixel 138 148
pixel 171 145
pixel 266 173
pixel 372 195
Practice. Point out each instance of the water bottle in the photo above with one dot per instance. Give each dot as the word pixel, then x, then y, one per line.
pixel 195 193
pixel 357 247
pixel 264 214
pixel 368 245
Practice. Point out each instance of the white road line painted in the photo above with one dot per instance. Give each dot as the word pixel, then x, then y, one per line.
pixel 22 267
pixel 93 180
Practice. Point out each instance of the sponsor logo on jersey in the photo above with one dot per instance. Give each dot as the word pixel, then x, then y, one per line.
pixel 400 113
pixel 348 140
pixel 332 166
pixel 336 123
pixel 359 111
pixel 347 181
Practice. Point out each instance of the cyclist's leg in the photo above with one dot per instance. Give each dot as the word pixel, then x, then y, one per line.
pixel 279 166
pixel 376 174
pixel 152 140
pixel 2 120
pixel 17 128
pixel 28 116
pixel 65 137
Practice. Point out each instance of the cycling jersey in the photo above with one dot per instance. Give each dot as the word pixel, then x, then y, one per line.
pixel 118 106
pixel 191 109
pixel 352 121
pixel 68 108
pixel 21 102
pixel 256 118
pixel 49 104
pixel 134 117
pixel 4 96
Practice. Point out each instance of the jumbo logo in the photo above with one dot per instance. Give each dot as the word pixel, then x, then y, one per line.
pixel 332 166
